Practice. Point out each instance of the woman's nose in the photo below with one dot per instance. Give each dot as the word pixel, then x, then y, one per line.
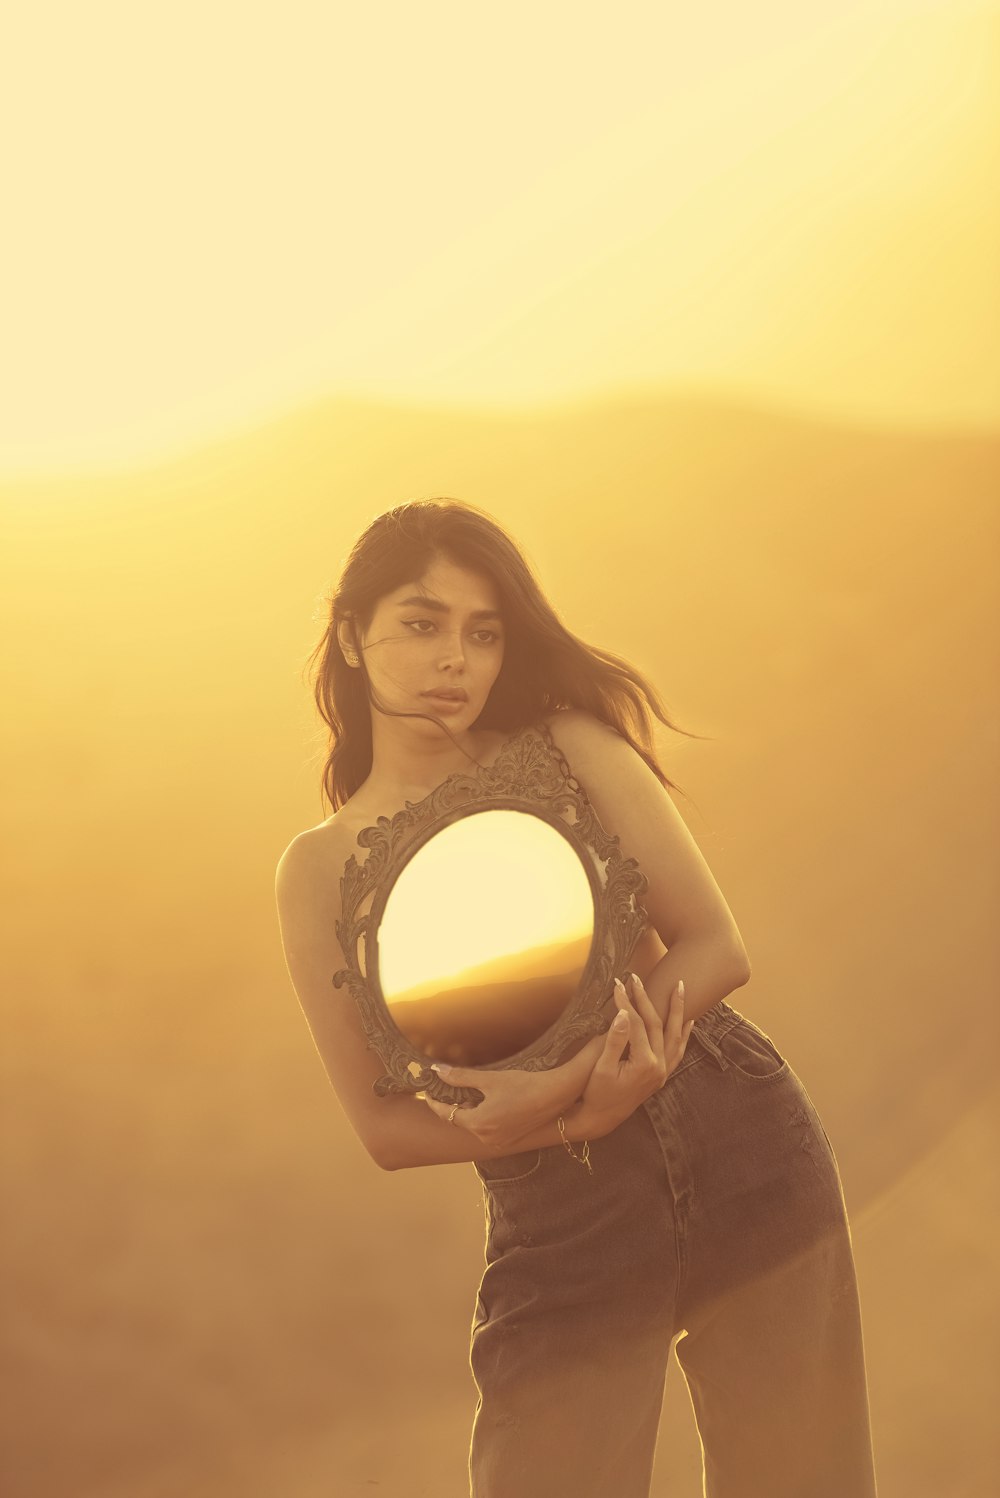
pixel 454 651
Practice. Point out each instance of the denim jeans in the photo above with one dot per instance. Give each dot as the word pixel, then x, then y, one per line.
pixel 714 1214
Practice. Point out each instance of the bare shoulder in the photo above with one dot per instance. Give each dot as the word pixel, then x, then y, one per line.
pixel 590 740
pixel 603 761
pixel 619 783
pixel 310 850
pixel 312 865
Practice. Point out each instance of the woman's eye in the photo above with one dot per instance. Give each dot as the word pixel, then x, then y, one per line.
pixel 492 634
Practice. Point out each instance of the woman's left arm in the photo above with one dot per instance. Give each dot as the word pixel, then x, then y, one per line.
pixel 685 905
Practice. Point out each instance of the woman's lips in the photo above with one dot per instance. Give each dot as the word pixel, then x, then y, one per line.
pixel 446 701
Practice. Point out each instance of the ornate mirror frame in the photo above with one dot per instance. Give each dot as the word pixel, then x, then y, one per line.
pixel 529 775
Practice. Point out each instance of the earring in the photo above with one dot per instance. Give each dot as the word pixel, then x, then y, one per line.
pixel 352 660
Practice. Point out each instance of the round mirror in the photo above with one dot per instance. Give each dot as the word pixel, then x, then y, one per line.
pixel 488 922
pixel 485 935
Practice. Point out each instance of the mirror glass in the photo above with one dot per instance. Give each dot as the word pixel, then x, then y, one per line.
pixel 485 936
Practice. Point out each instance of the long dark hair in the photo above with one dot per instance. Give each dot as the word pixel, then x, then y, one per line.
pixel 545 666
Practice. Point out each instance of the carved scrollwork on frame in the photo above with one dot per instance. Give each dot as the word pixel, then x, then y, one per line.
pixel 488 922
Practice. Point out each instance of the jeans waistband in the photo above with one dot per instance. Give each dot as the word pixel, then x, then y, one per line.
pixel 707 1030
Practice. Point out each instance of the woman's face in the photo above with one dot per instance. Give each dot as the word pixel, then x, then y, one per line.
pixel 441 633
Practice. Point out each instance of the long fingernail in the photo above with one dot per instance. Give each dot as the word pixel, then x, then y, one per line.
pixel 680 987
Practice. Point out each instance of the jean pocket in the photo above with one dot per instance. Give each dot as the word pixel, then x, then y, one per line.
pixel 752 1054
pixel 505 1169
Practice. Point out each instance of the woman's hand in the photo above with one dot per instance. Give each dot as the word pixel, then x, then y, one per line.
pixel 618 1084
pixel 517 1102
pixel 514 1103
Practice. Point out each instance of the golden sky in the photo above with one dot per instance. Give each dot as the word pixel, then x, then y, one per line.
pixel 217 211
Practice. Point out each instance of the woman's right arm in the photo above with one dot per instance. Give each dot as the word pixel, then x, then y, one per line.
pixel 399 1130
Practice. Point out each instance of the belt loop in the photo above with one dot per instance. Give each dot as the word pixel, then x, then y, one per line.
pixel 711 1046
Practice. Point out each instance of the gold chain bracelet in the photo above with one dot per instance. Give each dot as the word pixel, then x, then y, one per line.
pixel 584 1159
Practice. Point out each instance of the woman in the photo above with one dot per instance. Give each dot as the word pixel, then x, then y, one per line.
pixel 672 1178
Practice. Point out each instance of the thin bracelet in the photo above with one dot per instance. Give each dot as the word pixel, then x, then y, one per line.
pixel 584 1159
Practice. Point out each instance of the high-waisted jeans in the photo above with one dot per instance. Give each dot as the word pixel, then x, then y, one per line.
pixel 714 1214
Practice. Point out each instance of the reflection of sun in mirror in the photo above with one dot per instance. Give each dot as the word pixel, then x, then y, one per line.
pixel 489 885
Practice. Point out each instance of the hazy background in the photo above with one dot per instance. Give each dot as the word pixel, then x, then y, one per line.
pixel 704 310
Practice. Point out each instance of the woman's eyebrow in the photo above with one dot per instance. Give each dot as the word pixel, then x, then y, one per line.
pixel 420 601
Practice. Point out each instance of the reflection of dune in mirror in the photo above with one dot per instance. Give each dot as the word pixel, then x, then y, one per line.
pixel 495 1011
pixel 512 967
pixel 489 885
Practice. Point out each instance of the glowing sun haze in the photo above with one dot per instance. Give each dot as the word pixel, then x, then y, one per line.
pixel 218 212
